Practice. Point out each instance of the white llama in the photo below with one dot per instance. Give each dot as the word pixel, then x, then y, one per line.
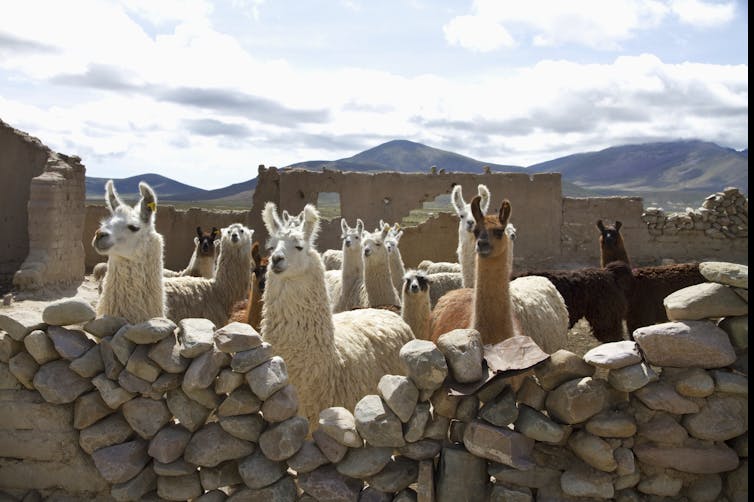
pixel 332 360
pixel 377 279
pixel 395 260
pixel 213 298
pixel 132 287
pixel 466 241
pixel 415 304
pixel 346 286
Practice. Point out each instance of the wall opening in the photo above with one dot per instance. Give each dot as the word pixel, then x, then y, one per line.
pixel 429 209
pixel 328 204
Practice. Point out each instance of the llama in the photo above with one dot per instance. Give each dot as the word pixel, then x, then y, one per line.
pixel 598 295
pixel 415 305
pixel 249 311
pixel 213 298
pixel 333 259
pixel 443 282
pixel 377 279
pixel 466 240
pixel 612 247
pixel 650 287
pixel 332 359
pixel 202 261
pixel 496 303
pixel 132 287
pixel 395 260
pixel 346 286
pixel 432 267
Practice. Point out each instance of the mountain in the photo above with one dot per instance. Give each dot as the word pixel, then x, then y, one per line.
pixel 678 165
pixel 672 174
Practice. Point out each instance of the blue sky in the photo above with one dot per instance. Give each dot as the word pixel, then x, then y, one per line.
pixel 204 92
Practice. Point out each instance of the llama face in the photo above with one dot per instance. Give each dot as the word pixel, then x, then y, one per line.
pixel 393 237
pixel 260 267
pixel 415 282
pixel 351 236
pixel 463 210
pixel 375 250
pixel 291 248
pixel 236 236
pixel 609 234
pixel 205 242
pixel 491 232
pixel 122 234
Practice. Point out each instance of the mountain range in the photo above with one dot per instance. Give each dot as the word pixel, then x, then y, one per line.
pixel 676 172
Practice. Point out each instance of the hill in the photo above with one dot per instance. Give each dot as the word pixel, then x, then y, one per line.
pixel 672 174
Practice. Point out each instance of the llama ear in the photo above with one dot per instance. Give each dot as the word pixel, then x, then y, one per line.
pixel 505 212
pixel 600 225
pixel 475 209
pixel 484 193
pixel 618 224
pixel 385 229
pixel 456 197
pixel 359 226
pixel 399 235
pixel 382 224
pixel 199 232
pixel 255 253
pixel 111 196
pixel 343 226
pixel 270 218
pixel 148 202
pixel 311 222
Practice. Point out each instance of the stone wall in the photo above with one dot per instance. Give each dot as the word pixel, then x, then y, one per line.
pixel 95 407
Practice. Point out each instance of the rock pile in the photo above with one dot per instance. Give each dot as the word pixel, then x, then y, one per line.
pixel 723 215
pixel 191 412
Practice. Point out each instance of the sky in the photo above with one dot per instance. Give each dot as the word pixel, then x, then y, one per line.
pixel 203 92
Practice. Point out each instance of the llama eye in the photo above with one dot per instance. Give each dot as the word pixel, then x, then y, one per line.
pixel 499 233
pixel 300 248
pixel 133 228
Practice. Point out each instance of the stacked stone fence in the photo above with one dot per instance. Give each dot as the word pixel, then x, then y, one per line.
pixel 98 408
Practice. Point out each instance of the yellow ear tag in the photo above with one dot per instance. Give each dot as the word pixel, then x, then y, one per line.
pixel 152 206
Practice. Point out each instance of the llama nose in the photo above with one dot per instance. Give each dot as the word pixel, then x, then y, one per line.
pixel 99 234
pixel 414 288
pixel 277 259
pixel 483 247
pixel 348 243
pixel 367 252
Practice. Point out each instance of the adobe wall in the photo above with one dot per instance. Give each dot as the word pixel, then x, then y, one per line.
pixel 43 209
pixel 23 158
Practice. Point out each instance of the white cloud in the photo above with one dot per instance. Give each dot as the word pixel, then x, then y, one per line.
pixel 477 34
pixel 596 24
pixel 703 14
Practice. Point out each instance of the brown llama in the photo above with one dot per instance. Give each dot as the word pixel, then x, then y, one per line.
pixel 497 307
pixel 249 311
pixel 612 247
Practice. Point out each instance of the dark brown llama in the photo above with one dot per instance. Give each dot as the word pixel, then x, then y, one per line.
pixel 612 247
pixel 249 311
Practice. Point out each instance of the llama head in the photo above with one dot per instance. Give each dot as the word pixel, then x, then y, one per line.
pixel 292 247
pixel 491 232
pixel 375 250
pixel 393 236
pixel 292 221
pixel 236 238
pixel 123 232
pixel 466 218
pixel 260 266
pixel 609 234
pixel 205 242
pixel 351 236
pixel 416 281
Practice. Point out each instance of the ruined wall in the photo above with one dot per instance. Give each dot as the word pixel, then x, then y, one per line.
pixel 23 158
pixel 91 407
pixel 43 209
pixel 536 203
pixel 178 228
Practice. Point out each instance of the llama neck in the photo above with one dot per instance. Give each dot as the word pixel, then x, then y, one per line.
pixel 397 270
pixel 296 316
pixel 254 315
pixel 466 257
pixel 205 266
pixel 415 310
pixel 232 275
pixel 352 269
pixel 492 310
pixel 133 288
pixel 616 253
pixel 378 282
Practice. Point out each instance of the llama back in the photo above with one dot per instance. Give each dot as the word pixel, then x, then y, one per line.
pixel 193 297
pixel 540 311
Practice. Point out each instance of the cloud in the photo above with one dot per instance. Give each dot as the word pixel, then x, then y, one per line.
pixel 211 127
pixel 98 76
pixel 20 45
pixel 234 102
pixel 595 24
